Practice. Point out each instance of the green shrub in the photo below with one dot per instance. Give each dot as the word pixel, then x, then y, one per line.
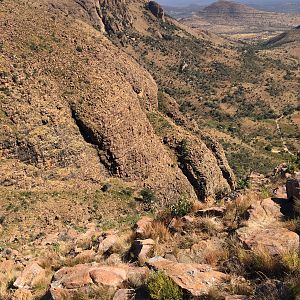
pixel 148 195
pixel 79 49
pixel 243 184
pixel 161 287
pixel 181 208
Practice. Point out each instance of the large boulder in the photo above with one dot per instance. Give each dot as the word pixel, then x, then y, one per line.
pixel 197 279
pixel 275 240
pixel 293 188
pixel 32 275
pixel 264 230
pixel 86 277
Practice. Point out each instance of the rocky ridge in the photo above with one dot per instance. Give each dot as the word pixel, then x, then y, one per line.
pixel 94 125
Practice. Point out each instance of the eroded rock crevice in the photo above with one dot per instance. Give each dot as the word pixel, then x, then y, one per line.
pixel 195 178
pixel 106 157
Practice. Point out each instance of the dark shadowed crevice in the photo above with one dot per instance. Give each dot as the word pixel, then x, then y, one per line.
pixel 93 138
pixel 194 177
pixel 219 154
pixel 198 185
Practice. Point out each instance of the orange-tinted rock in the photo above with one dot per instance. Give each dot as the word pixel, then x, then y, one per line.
pixel 84 275
pixel 198 279
pixel 73 277
pixel 276 240
pixel 31 275
pixel 264 230
pixel 142 226
pixel 142 249
pixel 265 211
pixel 108 276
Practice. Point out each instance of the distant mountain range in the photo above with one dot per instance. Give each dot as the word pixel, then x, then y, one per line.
pixel 269 5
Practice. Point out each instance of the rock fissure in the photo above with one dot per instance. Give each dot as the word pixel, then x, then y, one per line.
pixel 106 157
pixel 189 172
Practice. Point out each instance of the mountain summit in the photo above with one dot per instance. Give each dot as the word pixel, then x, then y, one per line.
pixel 228 8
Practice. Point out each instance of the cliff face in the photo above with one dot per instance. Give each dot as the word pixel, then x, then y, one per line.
pixel 73 109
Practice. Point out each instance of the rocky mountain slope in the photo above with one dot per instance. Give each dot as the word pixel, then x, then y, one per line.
pixel 89 121
pixel 107 141
pixel 222 88
pixel 291 36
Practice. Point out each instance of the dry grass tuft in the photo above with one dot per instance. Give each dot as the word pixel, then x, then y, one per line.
pixel 291 261
pixel 209 225
pixel 260 261
pixel 157 231
pixel 236 210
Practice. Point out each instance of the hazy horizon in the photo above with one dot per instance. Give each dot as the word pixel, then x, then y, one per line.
pixel 206 2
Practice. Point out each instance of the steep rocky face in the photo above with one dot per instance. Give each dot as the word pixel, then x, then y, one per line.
pixel 111 16
pixel 156 9
pixel 205 169
pixel 75 116
pixel 89 98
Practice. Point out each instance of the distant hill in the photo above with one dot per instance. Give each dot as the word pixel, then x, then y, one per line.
pixel 287 37
pixel 228 8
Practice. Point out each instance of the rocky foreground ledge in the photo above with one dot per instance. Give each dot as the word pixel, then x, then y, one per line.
pixel 200 253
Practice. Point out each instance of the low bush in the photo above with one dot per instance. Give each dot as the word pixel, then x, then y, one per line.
pixel 161 287
pixel 181 208
pixel 148 196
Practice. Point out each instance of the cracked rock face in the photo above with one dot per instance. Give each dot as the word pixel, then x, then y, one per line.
pixel 73 110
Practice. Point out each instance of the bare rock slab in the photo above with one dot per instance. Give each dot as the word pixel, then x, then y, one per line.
pixel 198 279
pixel 264 230
pixel 82 276
pixel 275 240
pixel 31 275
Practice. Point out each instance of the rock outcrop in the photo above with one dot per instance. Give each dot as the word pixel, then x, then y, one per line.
pixel 195 278
pixel 89 119
pixel 156 10
pixel 84 276
pixel 32 275
pixel 207 170
pixel 265 232
pixel 293 188
pixel 111 16
pixel 92 126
